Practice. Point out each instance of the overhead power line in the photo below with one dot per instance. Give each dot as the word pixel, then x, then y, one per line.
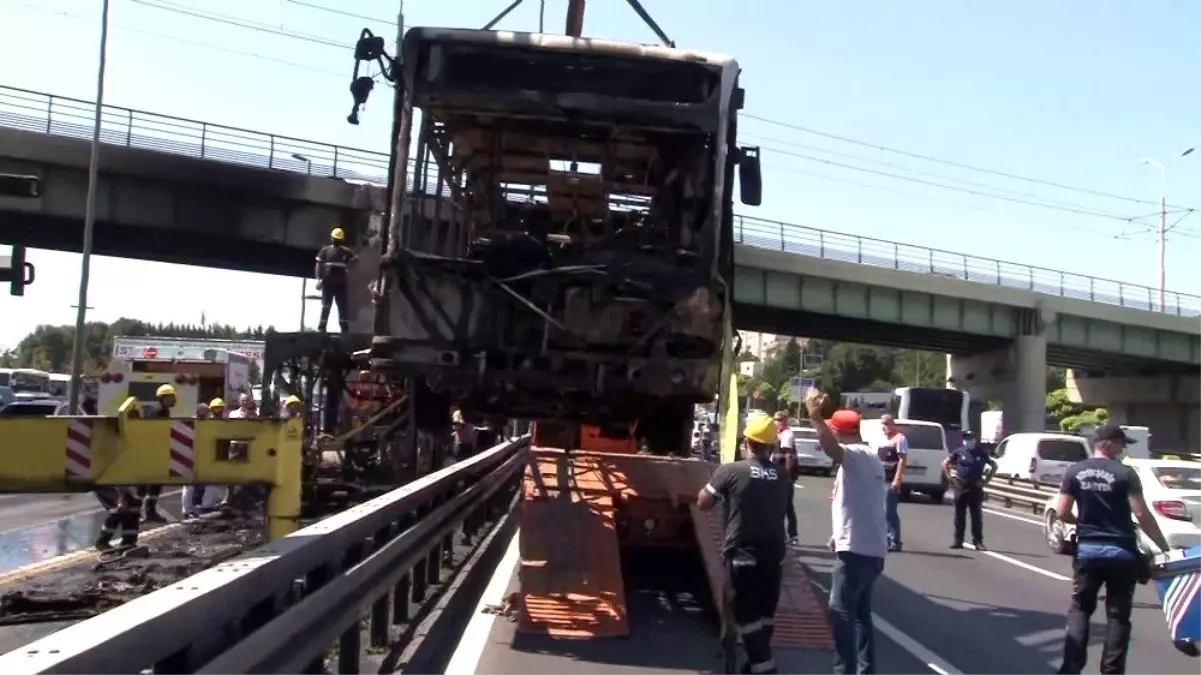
pixel 240 23
pixel 340 12
pixel 959 165
pixel 907 169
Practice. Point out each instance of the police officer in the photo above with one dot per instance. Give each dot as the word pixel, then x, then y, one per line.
pixel 969 469
pixel 165 400
pixel 332 281
pixel 754 492
pixel 1106 493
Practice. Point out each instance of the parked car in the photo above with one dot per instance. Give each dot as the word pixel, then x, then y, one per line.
pixel 38 407
pixel 810 458
pixel 1172 489
pixel 1039 456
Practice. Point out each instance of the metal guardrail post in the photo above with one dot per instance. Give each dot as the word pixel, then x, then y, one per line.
pixel 335 167
pixel 782 247
pixel 931 260
pixel 1061 284
pixel 1030 276
pixel 271 154
pixel 998 262
pixel 966 276
pixel 1092 288
pixel 204 137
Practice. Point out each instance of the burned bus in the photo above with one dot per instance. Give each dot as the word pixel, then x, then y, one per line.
pixel 561 239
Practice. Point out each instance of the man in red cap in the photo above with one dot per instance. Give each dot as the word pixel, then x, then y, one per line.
pixel 860 534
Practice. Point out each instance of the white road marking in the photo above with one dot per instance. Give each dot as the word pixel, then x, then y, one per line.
pixel 1014 516
pixel 1019 563
pixel 465 659
pixel 916 649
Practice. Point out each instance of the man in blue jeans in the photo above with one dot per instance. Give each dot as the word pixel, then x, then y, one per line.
pixel 860 535
pixel 894 454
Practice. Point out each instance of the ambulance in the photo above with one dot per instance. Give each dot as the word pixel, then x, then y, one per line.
pixel 200 370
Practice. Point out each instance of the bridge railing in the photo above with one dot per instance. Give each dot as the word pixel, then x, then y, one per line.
pixel 64 116
pixel 284 607
pixel 909 258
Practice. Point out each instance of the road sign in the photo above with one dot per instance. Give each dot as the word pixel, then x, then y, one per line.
pixel 800 387
pixel 813 360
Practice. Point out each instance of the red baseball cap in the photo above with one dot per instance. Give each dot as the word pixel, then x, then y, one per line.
pixel 844 422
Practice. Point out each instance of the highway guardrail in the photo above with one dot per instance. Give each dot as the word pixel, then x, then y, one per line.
pixel 1019 493
pixel 283 607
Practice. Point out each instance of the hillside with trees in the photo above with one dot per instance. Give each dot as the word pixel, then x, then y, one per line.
pixel 49 347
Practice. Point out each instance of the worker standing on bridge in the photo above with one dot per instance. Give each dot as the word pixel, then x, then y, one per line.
pixel 217 408
pixel 331 273
pixel 860 534
pixel 754 492
pixel 165 400
pixel 784 455
pixel 895 454
pixel 292 407
pixel 1109 496
pixel 969 469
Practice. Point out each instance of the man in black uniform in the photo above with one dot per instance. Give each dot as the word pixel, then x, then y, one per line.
pixel 149 494
pixel 754 492
pixel 1106 492
pixel 332 280
pixel 965 469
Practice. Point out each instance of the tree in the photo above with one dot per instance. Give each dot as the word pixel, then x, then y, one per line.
pixel 49 347
pixel 1071 416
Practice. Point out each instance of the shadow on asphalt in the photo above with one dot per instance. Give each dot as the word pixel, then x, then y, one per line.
pixel 979 638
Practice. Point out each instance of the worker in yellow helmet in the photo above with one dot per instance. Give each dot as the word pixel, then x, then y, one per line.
pixel 755 492
pixel 166 399
pixel 292 407
pixel 217 408
pixel 331 273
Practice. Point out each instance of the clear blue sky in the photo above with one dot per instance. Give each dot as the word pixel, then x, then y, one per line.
pixel 1071 92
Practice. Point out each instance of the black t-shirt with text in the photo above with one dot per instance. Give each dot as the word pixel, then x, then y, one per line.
pixel 755 493
pixel 334 259
pixel 1102 488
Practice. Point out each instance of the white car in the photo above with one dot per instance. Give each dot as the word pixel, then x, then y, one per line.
pixel 1172 489
pixel 809 456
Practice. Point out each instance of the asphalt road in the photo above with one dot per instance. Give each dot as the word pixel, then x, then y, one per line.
pixel 1000 611
pixel 36 527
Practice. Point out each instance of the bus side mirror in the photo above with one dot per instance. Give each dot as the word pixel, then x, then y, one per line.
pixel 750 177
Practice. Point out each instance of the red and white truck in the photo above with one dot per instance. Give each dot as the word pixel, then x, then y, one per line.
pixel 200 370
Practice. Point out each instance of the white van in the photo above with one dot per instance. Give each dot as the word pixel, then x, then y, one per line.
pixel 927 450
pixel 1040 456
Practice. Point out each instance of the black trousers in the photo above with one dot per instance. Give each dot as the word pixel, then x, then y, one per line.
pixel 790 518
pixel 123 515
pixel 752 593
pixel 969 499
pixel 333 294
pixel 149 496
pixel 1119 577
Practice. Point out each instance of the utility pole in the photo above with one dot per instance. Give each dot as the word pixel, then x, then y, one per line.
pixel 89 221
pixel 1163 217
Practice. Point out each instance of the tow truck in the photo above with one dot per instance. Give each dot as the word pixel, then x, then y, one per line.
pixel 565 257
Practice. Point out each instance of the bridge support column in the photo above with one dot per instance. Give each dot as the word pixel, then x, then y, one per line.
pixel 1168 405
pixel 1015 375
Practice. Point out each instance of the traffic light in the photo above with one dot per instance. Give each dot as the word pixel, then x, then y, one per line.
pixel 21 187
pixel 16 271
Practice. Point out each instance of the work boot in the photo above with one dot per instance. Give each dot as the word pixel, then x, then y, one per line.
pixel 103 543
pixel 129 540
pixel 153 516
pixel 979 545
pixel 957 545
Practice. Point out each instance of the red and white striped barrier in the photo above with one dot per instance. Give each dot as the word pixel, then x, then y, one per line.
pixel 79 449
pixel 183 449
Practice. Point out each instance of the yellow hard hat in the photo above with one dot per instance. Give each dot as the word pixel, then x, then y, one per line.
pixel 761 428
pixel 293 399
pixel 337 234
pixel 164 390
pixel 217 403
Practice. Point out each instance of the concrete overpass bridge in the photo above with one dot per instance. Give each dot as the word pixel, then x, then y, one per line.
pixel 183 191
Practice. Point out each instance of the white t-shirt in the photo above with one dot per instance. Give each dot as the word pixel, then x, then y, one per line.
pixel 857 512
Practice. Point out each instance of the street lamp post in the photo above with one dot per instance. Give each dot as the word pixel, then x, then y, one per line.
pixel 89 221
pixel 308 162
pixel 1163 217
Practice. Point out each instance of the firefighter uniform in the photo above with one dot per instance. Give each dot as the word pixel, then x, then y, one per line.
pixel 122 507
pixel 149 494
pixel 331 272
pixel 755 492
